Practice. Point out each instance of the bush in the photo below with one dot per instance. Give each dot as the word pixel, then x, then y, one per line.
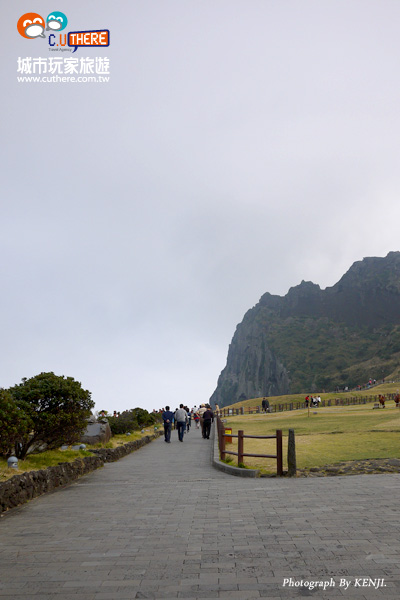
pixel 58 408
pixel 131 420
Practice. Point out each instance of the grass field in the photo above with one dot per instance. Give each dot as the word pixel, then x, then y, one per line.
pixel 385 388
pixel 323 436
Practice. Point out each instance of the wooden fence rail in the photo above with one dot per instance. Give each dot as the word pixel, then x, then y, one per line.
pixel 240 452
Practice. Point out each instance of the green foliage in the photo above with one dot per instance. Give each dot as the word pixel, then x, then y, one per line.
pixel 228 459
pixel 131 420
pixel 41 460
pixel 58 408
pixel 321 354
pixel 15 424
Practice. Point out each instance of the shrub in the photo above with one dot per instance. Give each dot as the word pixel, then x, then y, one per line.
pixel 131 420
pixel 58 408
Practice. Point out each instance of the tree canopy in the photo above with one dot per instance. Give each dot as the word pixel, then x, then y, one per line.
pixel 15 424
pixel 57 407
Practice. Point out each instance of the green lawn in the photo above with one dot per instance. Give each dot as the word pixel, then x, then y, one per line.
pixel 42 460
pixel 324 436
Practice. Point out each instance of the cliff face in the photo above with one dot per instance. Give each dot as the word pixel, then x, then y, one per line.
pixel 252 368
pixel 313 339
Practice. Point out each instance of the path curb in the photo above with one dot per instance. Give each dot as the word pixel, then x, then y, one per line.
pixel 224 467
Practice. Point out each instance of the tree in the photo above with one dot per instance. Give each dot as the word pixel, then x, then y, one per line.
pixel 15 424
pixel 58 407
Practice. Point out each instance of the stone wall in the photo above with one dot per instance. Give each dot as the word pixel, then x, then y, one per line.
pixel 113 454
pixel 22 488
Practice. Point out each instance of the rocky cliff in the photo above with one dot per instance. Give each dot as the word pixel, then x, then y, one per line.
pixel 313 339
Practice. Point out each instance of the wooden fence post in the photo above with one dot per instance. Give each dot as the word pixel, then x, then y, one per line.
pixel 291 455
pixel 222 443
pixel 240 446
pixel 279 461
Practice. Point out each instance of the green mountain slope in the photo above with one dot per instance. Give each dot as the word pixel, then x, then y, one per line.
pixel 313 339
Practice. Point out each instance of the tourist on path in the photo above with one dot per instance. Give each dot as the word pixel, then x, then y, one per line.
pixel 201 412
pixel 181 420
pixel 208 418
pixel 168 417
pixel 189 418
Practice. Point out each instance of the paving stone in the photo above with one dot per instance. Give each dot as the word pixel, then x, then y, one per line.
pixel 148 526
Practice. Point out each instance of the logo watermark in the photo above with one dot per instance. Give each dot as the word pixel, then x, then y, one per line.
pixel 63 70
pixel 32 26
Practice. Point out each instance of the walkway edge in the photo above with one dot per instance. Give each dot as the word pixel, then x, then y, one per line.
pixel 25 486
pixel 225 467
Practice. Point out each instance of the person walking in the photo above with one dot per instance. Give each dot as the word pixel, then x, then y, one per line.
pixel 201 412
pixel 167 417
pixel 181 420
pixel 208 418
pixel 189 418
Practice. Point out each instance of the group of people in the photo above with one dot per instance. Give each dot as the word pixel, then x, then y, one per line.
pixel 181 420
pixel 312 401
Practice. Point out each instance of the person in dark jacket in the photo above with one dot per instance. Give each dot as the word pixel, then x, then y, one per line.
pixel 208 418
pixel 168 417
pixel 265 405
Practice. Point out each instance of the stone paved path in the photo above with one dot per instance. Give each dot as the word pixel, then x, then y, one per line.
pixel 162 523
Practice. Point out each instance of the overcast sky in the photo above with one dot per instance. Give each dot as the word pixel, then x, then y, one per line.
pixel 239 147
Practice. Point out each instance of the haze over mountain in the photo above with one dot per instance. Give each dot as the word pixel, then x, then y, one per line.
pixel 313 340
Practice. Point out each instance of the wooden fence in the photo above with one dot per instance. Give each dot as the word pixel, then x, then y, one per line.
pixel 240 451
pixel 287 406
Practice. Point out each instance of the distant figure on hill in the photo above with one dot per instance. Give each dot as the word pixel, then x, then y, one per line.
pixel 167 417
pixel 265 405
pixel 307 401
